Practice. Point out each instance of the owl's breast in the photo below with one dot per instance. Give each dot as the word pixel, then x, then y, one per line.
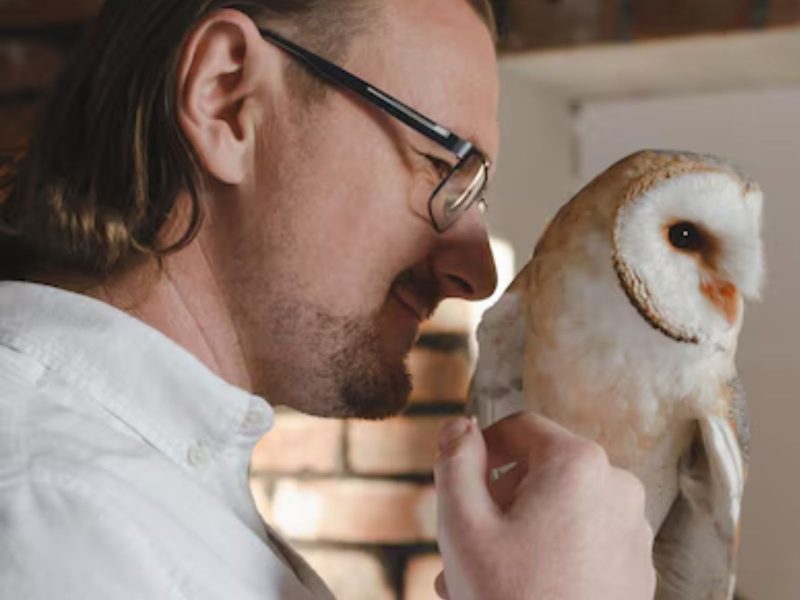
pixel 594 366
pixel 640 431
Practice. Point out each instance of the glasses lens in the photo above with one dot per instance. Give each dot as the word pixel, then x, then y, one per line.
pixel 459 192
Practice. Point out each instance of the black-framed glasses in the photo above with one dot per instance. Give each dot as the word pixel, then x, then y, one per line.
pixel 466 182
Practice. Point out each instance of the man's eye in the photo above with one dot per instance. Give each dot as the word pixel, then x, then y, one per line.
pixel 441 167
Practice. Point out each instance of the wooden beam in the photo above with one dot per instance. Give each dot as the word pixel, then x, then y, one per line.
pixel 672 18
pixel 531 24
pixel 783 12
pixel 546 24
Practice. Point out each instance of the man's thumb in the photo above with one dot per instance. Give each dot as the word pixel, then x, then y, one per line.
pixel 461 476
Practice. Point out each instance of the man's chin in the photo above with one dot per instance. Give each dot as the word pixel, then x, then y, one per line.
pixel 375 397
pixel 353 368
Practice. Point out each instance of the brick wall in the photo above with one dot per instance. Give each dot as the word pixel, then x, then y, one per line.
pixel 357 497
pixel 35 36
pixel 540 24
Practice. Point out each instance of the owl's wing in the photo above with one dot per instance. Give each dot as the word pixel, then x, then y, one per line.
pixel 496 388
pixel 695 549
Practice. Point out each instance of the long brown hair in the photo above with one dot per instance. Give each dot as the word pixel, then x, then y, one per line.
pixel 108 160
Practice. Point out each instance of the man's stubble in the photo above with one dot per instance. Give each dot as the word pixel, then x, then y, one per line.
pixel 333 366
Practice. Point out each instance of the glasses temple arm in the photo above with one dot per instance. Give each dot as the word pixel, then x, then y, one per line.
pixel 420 123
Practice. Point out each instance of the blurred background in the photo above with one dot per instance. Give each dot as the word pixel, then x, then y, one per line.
pixel 584 83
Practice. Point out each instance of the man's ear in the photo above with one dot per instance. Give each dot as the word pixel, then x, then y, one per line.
pixel 218 101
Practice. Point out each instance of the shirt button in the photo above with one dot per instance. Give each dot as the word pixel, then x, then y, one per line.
pixel 255 418
pixel 198 455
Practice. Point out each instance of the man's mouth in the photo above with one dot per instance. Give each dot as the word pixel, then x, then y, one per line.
pixel 408 297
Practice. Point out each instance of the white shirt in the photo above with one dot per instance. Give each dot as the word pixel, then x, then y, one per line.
pixel 124 464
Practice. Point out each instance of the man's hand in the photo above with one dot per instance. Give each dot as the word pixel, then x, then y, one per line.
pixel 562 524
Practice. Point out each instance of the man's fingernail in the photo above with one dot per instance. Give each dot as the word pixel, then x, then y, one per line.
pixel 451 432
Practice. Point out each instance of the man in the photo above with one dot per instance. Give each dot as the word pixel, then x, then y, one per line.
pixel 211 209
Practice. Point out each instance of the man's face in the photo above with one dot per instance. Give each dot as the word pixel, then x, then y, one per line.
pixel 328 257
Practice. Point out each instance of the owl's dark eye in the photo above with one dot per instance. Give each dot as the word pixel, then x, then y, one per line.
pixel 686 236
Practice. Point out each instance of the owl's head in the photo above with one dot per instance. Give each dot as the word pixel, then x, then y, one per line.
pixel 687 247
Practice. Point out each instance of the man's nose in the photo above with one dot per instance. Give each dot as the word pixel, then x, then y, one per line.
pixel 462 262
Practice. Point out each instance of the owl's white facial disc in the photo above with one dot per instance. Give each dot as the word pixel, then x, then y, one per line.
pixel 687 249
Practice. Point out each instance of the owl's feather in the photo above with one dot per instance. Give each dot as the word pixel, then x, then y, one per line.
pixel 695 549
pixel 496 389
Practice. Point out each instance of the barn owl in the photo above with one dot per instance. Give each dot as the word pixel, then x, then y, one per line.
pixel 623 327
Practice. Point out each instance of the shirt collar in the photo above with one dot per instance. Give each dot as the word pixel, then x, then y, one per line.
pixel 153 385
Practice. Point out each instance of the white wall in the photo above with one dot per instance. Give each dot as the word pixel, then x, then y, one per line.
pixel 536 169
pixel 760 131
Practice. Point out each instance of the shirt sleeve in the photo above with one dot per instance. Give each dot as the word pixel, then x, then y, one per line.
pixel 59 540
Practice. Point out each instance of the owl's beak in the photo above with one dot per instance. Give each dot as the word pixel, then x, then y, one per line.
pixel 724 296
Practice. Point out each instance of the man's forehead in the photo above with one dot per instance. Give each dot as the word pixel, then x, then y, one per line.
pixel 439 58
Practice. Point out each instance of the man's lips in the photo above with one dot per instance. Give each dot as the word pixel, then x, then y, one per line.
pixel 411 301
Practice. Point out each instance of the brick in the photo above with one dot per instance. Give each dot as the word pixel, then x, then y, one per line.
pixel 28 65
pixel 351 574
pixel 356 511
pixel 673 18
pixel 39 13
pixel 16 125
pixel 420 576
pixel 392 447
pixel 784 12
pixel 299 443
pixel 531 24
pixel 439 376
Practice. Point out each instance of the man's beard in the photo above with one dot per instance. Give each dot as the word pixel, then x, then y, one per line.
pixel 369 385
pixel 345 373
pixel 343 366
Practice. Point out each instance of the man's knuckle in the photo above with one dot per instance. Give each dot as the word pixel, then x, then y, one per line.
pixel 652 580
pixel 591 457
pixel 584 461
pixel 635 491
pixel 649 536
